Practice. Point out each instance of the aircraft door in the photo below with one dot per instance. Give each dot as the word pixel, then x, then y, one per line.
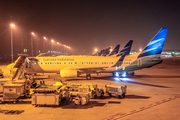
pixel 139 62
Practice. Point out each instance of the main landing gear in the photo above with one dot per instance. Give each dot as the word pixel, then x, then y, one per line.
pixel 88 76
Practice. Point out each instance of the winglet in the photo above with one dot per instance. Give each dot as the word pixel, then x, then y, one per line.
pixel 126 50
pixel 155 46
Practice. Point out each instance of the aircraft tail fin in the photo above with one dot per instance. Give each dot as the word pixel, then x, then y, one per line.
pixel 155 46
pixel 115 51
pixel 126 50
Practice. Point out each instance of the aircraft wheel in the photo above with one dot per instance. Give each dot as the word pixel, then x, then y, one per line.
pixel 88 76
pixel 123 95
pixel 113 74
pixel 132 74
pixel 119 96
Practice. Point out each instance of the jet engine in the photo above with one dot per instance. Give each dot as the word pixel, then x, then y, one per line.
pixel 68 73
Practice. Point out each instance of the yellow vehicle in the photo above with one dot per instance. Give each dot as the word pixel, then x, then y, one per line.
pixel 119 91
pixel 95 91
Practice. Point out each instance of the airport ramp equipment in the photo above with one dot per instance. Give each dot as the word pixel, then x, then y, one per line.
pixel 120 91
pixel 12 92
pixel 20 64
pixel 95 91
pixel 48 95
pixel 83 95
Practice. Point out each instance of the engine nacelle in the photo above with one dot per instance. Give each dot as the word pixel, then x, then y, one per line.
pixel 68 73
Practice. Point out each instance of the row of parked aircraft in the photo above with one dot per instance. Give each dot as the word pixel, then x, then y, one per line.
pixel 118 63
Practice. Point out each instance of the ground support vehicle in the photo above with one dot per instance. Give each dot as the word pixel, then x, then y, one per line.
pixel 73 90
pixel 12 92
pixel 119 91
pixel 1 73
pixel 83 96
pixel 95 91
pixel 48 95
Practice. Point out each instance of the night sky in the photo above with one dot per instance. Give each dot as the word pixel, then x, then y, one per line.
pixel 87 24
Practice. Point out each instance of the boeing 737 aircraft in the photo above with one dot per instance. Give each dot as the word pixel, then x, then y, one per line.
pixel 73 66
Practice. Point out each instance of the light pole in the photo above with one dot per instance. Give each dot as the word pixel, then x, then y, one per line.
pixel 64 49
pixel 52 41
pixel 12 25
pixel 44 43
pixel 57 47
pixel 37 49
pixel 32 33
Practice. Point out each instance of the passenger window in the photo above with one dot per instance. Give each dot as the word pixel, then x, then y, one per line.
pixel 91 62
pixel 87 62
pixel 71 62
pixel 64 62
pixel 57 62
pixel 45 62
pixel 84 62
pixel 75 62
pixel 50 62
pixel 95 62
pixel 107 62
pixel 100 63
pixel 79 62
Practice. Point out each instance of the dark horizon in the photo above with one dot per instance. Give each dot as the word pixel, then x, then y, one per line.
pixel 85 25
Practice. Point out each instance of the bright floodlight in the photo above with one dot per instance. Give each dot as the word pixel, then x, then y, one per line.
pixel 12 25
pixel 111 50
pixel 96 50
pixel 45 38
pixel 32 33
pixel 52 40
pixel 58 43
pixel 140 50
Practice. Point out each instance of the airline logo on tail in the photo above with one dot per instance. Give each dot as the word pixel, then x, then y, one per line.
pixel 155 46
pixel 126 50
pixel 115 51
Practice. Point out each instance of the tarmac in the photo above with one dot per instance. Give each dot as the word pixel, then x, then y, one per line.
pixel 152 94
